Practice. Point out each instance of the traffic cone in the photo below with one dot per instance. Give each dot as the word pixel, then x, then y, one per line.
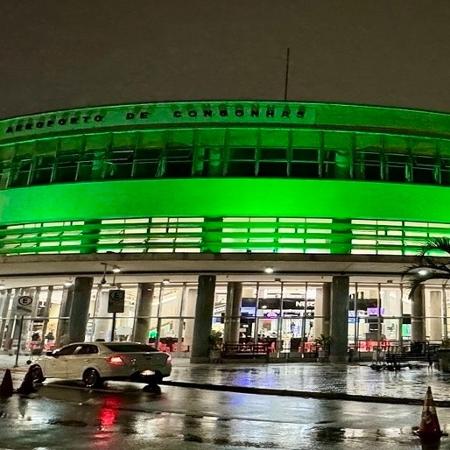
pixel 429 428
pixel 6 388
pixel 27 386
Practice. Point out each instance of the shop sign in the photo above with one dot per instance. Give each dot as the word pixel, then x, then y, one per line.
pixel 122 115
pixel 116 301
pixel 24 304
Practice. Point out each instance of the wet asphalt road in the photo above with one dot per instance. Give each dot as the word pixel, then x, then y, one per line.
pixel 64 416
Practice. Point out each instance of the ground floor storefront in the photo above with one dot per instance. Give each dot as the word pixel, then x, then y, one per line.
pixel 289 315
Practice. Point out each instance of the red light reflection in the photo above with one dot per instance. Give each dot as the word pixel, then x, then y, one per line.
pixel 109 411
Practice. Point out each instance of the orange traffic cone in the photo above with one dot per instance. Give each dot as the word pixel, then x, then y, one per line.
pixel 429 428
pixel 27 386
pixel 6 388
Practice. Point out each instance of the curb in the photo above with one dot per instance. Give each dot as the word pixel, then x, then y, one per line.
pixel 303 394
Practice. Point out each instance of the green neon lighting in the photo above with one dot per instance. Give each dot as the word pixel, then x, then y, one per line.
pixel 202 164
pixel 225 198
pixel 218 214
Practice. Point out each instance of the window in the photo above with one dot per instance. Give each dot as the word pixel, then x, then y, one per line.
pixel 119 163
pixel 42 173
pixel 397 167
pixel 445 171
pixel 423 169
pixel 66 166
pixel 272 169
pixel 130 348
pixel 371 165
pixel 91 165
pixel 21 170
pixel 305 163
pixel 86 350
pixel 146 162
pixel 241 162
pixel 178 162
pixel 69 350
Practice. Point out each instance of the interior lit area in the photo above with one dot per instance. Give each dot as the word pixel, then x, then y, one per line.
pixel 288 315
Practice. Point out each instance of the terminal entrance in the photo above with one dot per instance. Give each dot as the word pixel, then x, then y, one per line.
pixel 288 317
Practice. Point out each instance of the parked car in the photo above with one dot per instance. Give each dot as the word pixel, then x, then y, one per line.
pixel 96 362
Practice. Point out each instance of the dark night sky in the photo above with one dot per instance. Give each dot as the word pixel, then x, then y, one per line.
pixel 58 54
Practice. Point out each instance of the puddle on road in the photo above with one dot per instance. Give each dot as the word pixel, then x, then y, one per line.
pixel 68 423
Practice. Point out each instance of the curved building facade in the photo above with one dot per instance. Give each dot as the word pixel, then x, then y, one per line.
pixel 322 192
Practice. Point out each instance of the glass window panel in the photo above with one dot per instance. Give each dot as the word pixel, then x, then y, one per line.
pixel 272 154
pixel 272 169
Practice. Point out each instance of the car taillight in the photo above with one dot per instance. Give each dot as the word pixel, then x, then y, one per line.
pixel 117 360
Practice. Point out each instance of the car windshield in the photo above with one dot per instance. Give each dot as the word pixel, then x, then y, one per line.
pixel 130 348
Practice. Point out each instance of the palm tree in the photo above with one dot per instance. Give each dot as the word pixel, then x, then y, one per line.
pixel 434 263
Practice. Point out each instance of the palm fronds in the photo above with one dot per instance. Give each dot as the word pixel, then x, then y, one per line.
pixel 430 267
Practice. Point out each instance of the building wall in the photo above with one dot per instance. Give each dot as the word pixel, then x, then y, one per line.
pixel 224 177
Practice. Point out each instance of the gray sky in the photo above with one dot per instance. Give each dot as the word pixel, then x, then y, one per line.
pixel 60 54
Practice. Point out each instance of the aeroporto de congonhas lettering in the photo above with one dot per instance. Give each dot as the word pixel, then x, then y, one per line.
pixel 140 115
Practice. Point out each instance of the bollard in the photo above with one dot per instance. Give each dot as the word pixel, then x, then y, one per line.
pixel 429 429
pixel 6 388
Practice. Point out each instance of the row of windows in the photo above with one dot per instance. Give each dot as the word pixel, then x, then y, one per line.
pixel 219 162
pixel 226 235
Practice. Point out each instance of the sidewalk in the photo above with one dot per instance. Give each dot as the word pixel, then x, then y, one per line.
pixel 316 378
pixel 8 362
pixel 339 381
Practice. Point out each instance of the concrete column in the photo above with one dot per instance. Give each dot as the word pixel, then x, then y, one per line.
pixel 342 237
pixel 417 318
pixel 434 323
pixel 90 236
pixel 144 308
pixel 4 312
pixel 46 311
pixel 339 319
pixel 216 162
pixel 189 311
pixel 322 311
pixel 211 235
pixel 343 161
pixel 233 313
pixel 80 308
pixel 62 332
pixel 203 318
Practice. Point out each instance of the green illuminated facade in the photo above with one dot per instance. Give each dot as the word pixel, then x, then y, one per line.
pixel 222 177
pixel 79 189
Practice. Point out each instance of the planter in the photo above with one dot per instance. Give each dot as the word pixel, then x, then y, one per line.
pixel 323 356
pixel 214 356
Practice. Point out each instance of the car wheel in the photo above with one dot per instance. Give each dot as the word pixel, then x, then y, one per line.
pixel 152 388
pixel 158 377
pixel 36 374
pixel 91 379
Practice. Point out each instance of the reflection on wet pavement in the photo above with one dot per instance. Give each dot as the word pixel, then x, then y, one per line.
pixel 350 379
pixel 65 416
pixel 126 418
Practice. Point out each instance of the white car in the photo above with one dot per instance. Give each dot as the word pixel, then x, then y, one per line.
pixel 95 362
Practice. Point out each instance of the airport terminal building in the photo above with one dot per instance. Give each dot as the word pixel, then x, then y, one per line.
pixel 267 221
